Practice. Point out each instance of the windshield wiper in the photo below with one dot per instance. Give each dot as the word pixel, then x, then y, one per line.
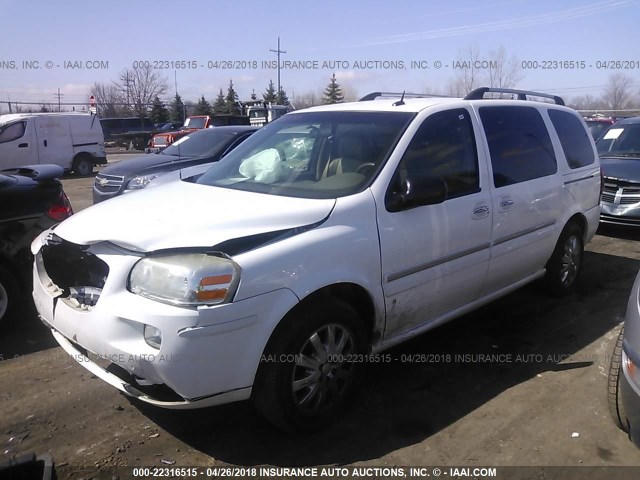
pixel 623 154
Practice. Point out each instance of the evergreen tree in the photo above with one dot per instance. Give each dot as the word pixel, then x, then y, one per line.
pixel 282 98
pixel 231 100
pixel 333 92
pixel 159 112
pixel 203 107
pixel 219 105
pixel 269 95
pixel 177 109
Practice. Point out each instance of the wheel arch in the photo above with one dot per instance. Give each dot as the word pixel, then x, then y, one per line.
pixel 350 293
pixel 580 220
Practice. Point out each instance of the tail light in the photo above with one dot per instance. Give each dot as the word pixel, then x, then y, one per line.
pixel 60 209
pixel 601 183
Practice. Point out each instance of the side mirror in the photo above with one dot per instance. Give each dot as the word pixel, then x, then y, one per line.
pixel 417 192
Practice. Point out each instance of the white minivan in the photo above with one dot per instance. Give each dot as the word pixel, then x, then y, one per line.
pixel 328 236
pixel 72 140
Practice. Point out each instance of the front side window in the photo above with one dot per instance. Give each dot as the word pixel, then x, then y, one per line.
pixel 312 155
pixel 12 132
pixel 519 144
pixel 576 142
pixel 444 147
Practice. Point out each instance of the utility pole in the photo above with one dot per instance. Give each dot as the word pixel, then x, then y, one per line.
pixel 59 95
pixel 278 51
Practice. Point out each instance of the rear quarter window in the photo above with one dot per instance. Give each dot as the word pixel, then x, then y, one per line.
pixel 574 138
pixel 519 144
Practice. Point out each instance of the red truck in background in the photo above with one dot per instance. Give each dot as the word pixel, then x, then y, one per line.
pixel 160 141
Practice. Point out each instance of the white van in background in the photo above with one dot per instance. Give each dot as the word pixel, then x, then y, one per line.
pixel 72 140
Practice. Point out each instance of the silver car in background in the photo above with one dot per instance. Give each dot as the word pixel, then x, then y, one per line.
pixel 619 150
pixel 624 370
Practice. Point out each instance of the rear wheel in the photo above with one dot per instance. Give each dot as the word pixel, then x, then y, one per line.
pixel 83 165
pixel 309 369
pixel 615 371
pixel 565 264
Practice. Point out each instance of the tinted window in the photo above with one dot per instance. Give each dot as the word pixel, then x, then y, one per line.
pixel 110 126
pixel 12 132
pixel 519 144
pixel 576 142
pixel 203 143
pixel 137 124
pixel 444 146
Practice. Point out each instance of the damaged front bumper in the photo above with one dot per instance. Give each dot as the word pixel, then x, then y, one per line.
pixel 207 356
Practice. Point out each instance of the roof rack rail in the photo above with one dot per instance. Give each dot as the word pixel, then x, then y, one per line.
pixel 374 95
pixel 478 94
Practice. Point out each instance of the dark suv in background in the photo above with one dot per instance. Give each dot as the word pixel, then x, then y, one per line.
pixel 129 132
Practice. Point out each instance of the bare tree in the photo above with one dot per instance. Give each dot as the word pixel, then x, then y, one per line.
pixel 349 93
pixel 618 94
pixel 498 69
pixel 469 76
pixel 139 86
pixel 109 100
pixel 306 100
pixel 504 71
pixel 587 103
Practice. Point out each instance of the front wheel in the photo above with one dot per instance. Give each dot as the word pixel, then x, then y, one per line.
pixel 308 371
pixel 565 264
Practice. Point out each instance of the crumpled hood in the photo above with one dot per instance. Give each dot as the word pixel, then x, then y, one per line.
pixel 182 214
pixel 625 169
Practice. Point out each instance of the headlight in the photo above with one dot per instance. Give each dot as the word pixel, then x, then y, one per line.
pixel 186 280
pixel 141 181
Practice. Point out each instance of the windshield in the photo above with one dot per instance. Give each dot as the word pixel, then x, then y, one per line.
pixel 620 140
pixel 197 122
pixel 203 143
pixel 312 155
pixel 596 128
pixel 257 113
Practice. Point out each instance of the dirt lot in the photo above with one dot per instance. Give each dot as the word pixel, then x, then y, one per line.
pixel 543 404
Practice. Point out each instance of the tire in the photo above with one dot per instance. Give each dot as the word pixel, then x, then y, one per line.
pixel 565 264
pixel 613 392
pixel 8 294
pixel 83 166
pixel 312 389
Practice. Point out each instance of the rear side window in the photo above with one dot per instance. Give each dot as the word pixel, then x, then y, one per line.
pixel 574 138
pixel 444 146
pixel 519 144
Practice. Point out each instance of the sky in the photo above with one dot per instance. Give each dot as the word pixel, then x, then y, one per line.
pixel 370 45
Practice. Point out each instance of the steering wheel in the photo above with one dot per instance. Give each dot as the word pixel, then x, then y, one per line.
pixel 364 167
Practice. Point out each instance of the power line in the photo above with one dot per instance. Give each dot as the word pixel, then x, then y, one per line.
pixel 278 51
